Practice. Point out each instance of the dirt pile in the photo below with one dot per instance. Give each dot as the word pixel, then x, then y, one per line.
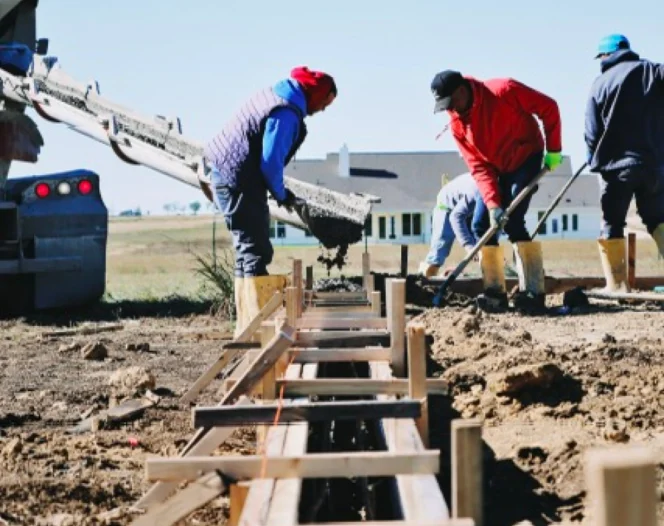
pixel 546 396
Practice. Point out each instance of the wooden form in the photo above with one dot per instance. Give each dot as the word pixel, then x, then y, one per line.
pixel 625 296
pixel 467 469
pixel 286 364
pixel 622 486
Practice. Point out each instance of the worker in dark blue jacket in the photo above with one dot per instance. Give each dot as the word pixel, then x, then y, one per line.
pixel 248 158
pixel 624 133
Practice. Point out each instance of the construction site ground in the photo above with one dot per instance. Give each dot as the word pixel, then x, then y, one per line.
pixel 547 388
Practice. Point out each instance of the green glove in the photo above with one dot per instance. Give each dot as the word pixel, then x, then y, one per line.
pixel 553 160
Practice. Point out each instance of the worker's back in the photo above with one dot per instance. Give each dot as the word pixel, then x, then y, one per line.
pixel 462 187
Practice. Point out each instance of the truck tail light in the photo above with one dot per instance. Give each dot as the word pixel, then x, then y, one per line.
pixel 84 186
pixel 42 190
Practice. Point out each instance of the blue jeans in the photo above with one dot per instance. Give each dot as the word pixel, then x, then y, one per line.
pixel 442 237
pixel 247 218
pixel 616 191
pixel 510 184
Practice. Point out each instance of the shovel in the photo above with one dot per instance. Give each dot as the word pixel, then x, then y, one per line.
pixel 440 296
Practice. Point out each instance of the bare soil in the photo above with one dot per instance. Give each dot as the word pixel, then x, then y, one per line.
pixel 547 387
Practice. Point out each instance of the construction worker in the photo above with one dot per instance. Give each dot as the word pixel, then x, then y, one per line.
pixel 498 136
pixel 452 216
pixel 248 158
pixel 624 133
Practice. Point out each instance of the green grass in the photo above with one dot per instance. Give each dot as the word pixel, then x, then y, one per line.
pixel 154 257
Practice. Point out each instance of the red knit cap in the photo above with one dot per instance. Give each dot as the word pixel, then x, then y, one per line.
pixel 316 85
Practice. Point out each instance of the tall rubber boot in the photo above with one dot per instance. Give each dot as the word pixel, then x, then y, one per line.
pixel 238 290
pixel 530 269
pixel 256 292
pixel 612 254
pixel 492 264
pixel 658 236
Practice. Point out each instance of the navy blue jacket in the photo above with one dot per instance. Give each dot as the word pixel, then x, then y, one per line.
pixel 625 114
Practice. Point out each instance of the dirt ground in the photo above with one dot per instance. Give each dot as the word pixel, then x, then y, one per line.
pixel 547 388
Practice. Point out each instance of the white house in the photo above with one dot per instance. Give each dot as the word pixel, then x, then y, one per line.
pixel 408 184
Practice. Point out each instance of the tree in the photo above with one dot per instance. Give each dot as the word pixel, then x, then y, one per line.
pixel 195 207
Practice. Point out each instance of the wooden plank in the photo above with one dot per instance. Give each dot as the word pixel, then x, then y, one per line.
pixel 375 303
pixel 467 469
pixel 238 496
pixel 206 445
pixel 284 505
pixel 125 411
pixel 366 272
pixel 342 323
pixel 311 465
pixel 341 308
pixel 417 376
pixel 396 314
pixel 357 387
pixel 631 260
pixel 627 296
pixel 350 338
pixel 180 505
pixel 622 486
pixel 341 295
pixel 269 386
pixel 228 353
pixel 365 354
pixel 339 313
pixel 450 522
pixel 309 412
pixel 297 284
pixel 414 490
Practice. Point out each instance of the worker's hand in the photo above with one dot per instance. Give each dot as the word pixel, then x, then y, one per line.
pixel 553 160
pixel 495 216
pixel 290 200
pixel 476 257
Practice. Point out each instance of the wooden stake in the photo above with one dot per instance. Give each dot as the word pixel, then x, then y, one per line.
pixel 417 376
pixel 467 467
pixel 631 260
pixel 310 278
pixel 375 303
pixel 269 387
pixel 396 323
pixel 404 261
pixel 238 493
pixel 366 272
pixel 622 486
pixel 297 283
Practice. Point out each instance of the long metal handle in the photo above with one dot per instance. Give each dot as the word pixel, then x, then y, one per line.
pixel 555 202
pixel 486 237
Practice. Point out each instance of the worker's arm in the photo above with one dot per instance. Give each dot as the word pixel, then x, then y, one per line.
pixel 484 174
pixel 459 216
pixel 281 130
pixel 535 102
pixel 594 127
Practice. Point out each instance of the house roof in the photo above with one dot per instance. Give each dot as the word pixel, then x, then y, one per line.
pixel 410 181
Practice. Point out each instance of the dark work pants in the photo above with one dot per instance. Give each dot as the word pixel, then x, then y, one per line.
pixel 510 185
pixel 248 220
pixel 617 188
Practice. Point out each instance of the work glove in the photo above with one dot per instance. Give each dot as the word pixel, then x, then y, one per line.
pixel 290 201
pixel 495 216
pixel 553 160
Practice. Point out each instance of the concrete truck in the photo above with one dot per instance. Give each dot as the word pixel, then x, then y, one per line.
pixel 54 227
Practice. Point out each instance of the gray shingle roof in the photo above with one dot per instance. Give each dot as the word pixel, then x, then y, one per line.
pixel 410 181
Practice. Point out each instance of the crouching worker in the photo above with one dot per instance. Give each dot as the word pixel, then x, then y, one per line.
pixel 625 139
pixel 248 158
pixel 451 220
pixel 493 123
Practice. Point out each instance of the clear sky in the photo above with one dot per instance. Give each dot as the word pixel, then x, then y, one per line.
pixel 199 63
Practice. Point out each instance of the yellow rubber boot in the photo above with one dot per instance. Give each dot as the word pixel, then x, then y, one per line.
pixel 428 270
pixel 256 292
pixel 492 264
pixel 238 292
pixel 658 236
pixel 530 267
pixel 612 254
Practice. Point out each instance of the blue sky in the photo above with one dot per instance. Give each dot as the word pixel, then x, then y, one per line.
pixel 201 63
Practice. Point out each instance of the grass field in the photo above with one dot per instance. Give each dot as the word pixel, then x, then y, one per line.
pixel 154 257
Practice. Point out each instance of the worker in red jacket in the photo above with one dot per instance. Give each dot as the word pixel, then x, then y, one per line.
pixel 494 125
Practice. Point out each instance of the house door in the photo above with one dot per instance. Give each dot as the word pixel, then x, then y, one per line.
pixel 382 227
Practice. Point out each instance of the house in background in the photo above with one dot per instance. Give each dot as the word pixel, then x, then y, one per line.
pixel 408 184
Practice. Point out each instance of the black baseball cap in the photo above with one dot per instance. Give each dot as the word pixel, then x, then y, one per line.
pixel 442 86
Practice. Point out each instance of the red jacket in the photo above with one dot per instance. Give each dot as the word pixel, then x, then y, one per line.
pixel 500 133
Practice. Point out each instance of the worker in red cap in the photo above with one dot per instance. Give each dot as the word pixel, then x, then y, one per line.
pixel 248 158
pixel 493 123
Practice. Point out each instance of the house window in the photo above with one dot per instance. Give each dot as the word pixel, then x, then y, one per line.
pixel 277 229
pixel 564 219
pixel 392 227
pixel 382 227
pixel 411 224
pixel 542 229
pixel 554 226
pixel 575 222
pixel 405 224
pixel 368 226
